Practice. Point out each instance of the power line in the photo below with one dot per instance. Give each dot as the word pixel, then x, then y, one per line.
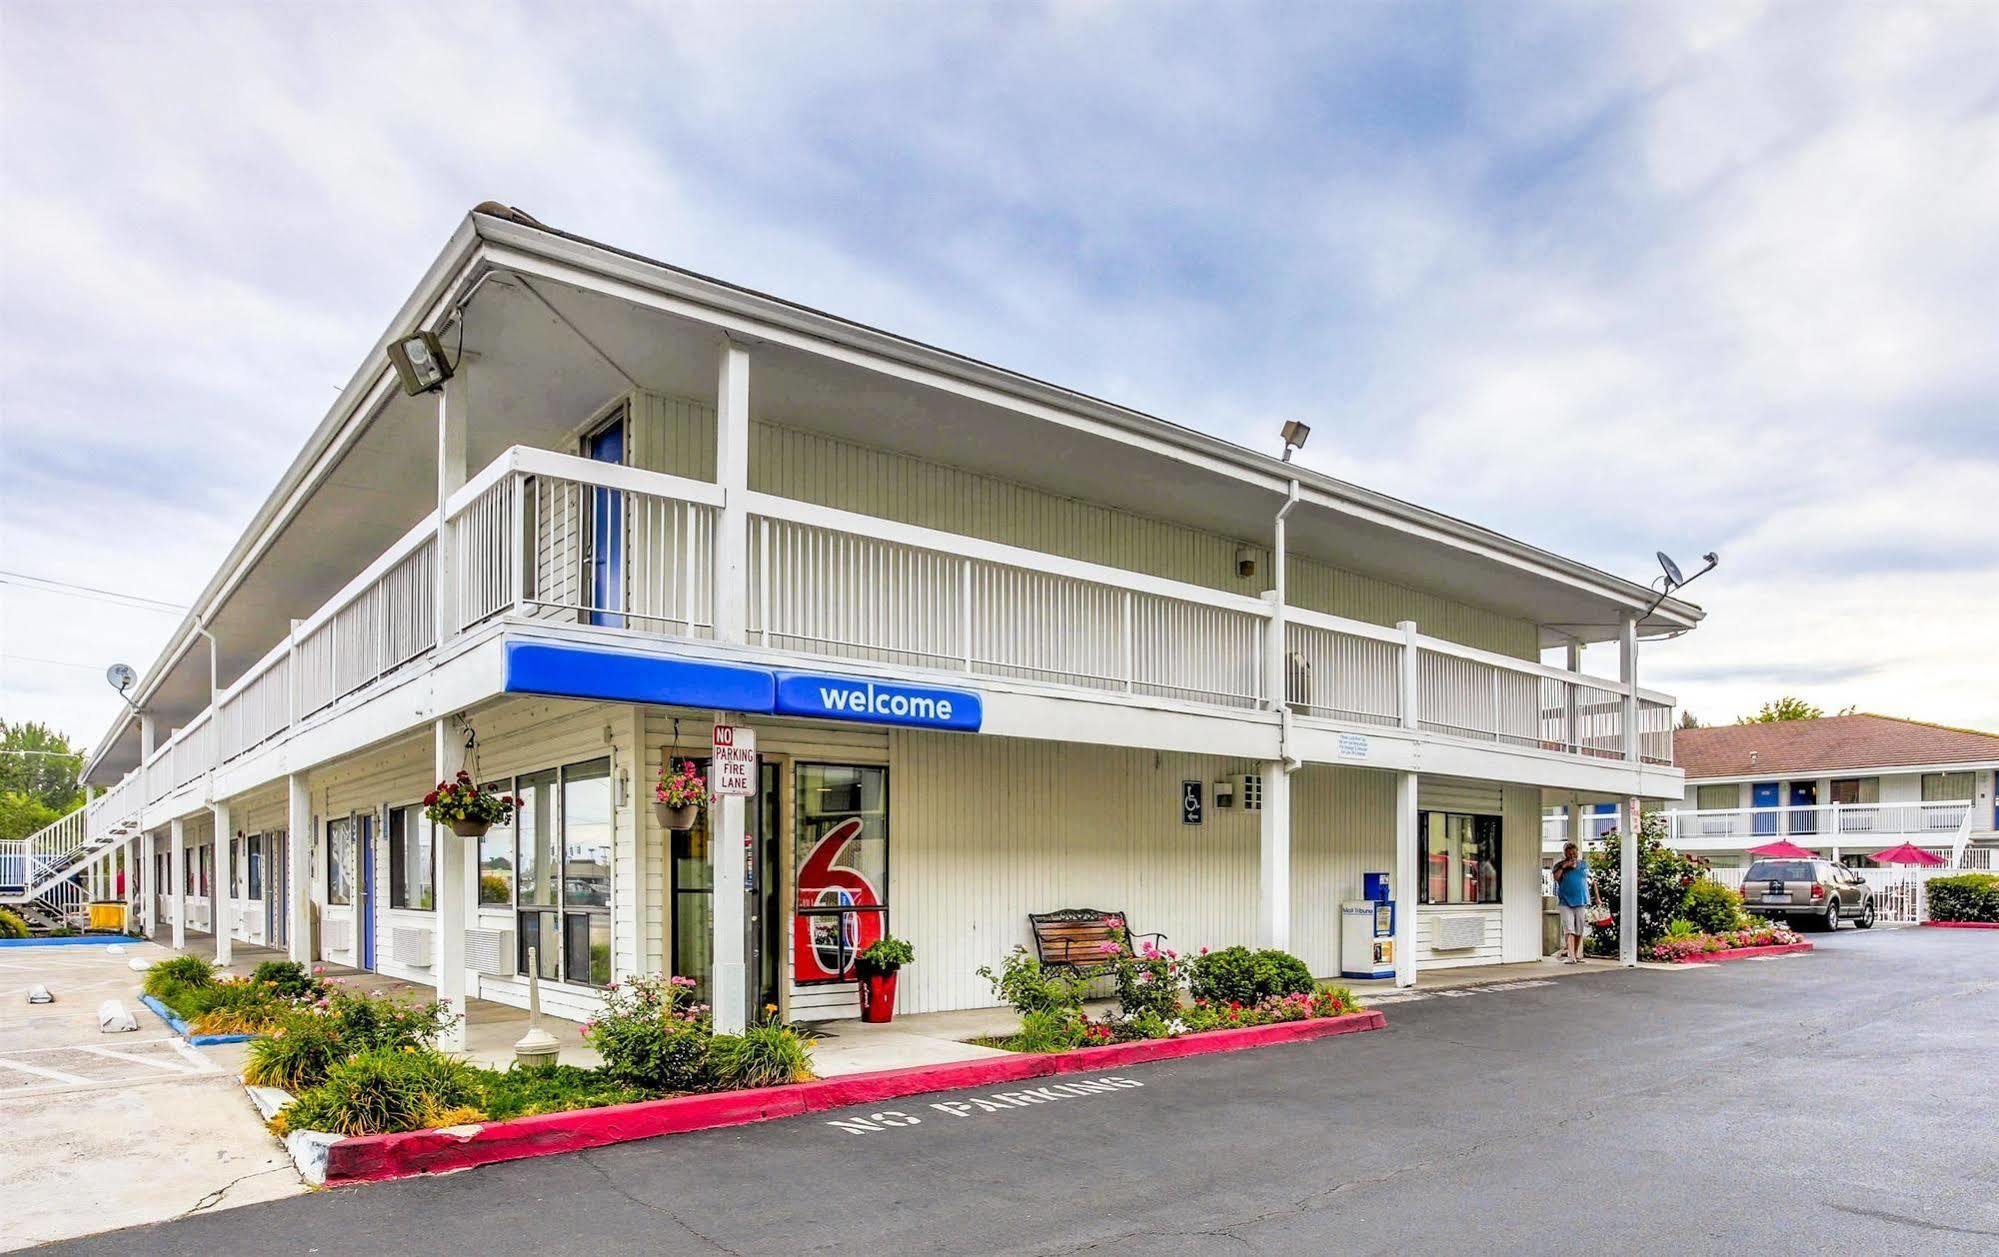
pixel 46 585
pixel 58 663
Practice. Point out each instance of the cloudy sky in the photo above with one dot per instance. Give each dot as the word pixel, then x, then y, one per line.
pixel 1611 278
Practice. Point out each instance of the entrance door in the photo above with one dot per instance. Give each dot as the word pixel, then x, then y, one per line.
pixel 364 898
pixel 277 876
pixel 763 912
pixel 1764 795
pixel 607 531
pixel 1804 794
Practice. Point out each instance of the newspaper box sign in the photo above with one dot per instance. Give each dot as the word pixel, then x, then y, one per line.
pixel 735 763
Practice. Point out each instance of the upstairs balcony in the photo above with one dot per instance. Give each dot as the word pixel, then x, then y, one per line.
pixel 1945 824
pixel 544 537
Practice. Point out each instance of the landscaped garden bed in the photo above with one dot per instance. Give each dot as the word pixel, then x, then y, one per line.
pixel 1965 901
pixel 1765 940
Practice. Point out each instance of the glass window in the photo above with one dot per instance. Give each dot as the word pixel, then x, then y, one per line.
pixel 1856 790
pixel 535 881
pixel 412 860
pixel 586 835
pixel 1946 787
pixel 693 903
pixel 1707 798
pixel 253 866
pixel 340 861
pixel 842 870
pixel 1460 858
pixel 496 858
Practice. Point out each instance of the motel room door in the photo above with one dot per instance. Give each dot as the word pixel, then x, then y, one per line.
pixel 606 561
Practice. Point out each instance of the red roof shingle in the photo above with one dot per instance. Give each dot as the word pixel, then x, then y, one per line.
pixel 1830 743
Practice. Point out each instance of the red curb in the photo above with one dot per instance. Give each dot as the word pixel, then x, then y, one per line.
pixel 1743 953
pixel 1960 925
pixel 370 1158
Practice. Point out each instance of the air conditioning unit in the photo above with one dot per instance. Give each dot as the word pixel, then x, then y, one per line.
pixel 1248 790
pixel 490 952
pixel 1458 933
pixel 410 945
pixel 336 934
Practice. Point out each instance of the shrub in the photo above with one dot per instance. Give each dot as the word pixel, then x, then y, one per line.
pixel 387 1090
pixel 1050 1030
pixel 525 1091
pixel 178 971
pixel 1712 907
pixel 366 1021
pixel 652 1035
pixel 887 954
pixel 764 1055
pixel 1028 988
pixel 288 979
pixel 296 1054
pixel 1964 897
pixel 1148 984
pixel 239 1006
pixel 1241 976
pixel 308 1039
pixel 1664 878
pixel 11 924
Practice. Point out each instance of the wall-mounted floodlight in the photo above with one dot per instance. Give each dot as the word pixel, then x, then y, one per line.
pixel 419 360
pixel 1295 436
pixel 1674 580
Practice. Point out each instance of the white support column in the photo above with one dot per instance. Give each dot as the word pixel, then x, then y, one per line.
pixel 1576 814
pixel 1627 672
pixel 177 831
pixel 298 870
pixel 1572 724
pixel 1406 821
pixel 1273 916
pixel 732 525
pixel 147 883
pixel 148 739
pixel 728 825
pixel 448 958
pixel 451 475
pixel 1628 822
pixel 222 890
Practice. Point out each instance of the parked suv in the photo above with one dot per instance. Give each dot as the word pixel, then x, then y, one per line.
pixel 1808 892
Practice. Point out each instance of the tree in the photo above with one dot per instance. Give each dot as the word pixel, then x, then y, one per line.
pixel 38 762
pixel 24 815
pixel 1788 707
pixel 1664 879
pixel 1689 721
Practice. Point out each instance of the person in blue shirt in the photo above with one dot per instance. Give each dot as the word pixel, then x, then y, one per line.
pixel 1575 895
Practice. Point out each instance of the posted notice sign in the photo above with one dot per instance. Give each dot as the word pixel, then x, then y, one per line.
pixel 734 768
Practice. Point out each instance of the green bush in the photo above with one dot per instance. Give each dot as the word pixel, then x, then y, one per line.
pixel 653 1036
pixel 288 979
pixel 1237 975
pixel 764 1055
pixel 11 924
pixel 1049 1030
pixel 1713 907
pixel 1664 878
pixel 525 1091
pixel 296 1055
pixel 178 971
pixel 387 1090
pixel 1024 985
pixel 1965 897
pixel 301 1049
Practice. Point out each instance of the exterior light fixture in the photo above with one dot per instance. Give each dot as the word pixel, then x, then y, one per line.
pixel 1295 436
pixel 419 360
pixel 1245 562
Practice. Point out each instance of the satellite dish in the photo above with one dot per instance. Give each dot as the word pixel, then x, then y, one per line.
pixel 121 676
pixel 1672 569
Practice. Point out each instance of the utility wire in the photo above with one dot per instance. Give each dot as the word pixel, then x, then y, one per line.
pixel 87 591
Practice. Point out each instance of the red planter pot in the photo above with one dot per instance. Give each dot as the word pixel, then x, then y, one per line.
pixel 877 996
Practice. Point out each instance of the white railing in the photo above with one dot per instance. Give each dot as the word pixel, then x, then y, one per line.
pixel 834 583
pixel 257 708
pixel 1471 693
pixel 383 619
pixel 185 757
pixel 13 863
pixel 1338 669
pixel 1860 824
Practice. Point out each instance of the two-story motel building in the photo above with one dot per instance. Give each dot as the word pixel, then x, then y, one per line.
pixel 989 634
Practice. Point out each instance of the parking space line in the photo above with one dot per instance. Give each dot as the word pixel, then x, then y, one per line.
pixel 172 1067
pixel 39 1072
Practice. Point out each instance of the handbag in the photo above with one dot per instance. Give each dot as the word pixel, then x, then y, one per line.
pixel 1601 917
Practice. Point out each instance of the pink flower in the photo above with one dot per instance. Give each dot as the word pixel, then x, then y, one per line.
pixel 1109 948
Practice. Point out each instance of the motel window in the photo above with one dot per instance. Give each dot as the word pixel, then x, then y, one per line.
pixel 253 866
pixel 563 836
pixel 1709 798
pixel 340 861
pixel 412 860
pixel 536 883
pixel 1946 787
pixel 496 858
pixel 693 898
pixel 1459 855
pixel 1856 790
pixel 842 869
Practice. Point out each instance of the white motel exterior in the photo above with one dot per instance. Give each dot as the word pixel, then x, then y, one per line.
pixel 989 636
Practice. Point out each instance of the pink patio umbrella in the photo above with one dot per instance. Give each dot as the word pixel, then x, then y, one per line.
pixel 1909 853
pixel 1781 850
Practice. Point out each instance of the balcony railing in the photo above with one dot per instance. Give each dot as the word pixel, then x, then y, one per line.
pixel 1818 825
pixel 541 535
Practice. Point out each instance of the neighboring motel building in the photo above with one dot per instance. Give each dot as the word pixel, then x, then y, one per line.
pixel 1841 785
pixel 1003 648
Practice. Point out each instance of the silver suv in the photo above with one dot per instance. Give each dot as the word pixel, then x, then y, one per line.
pixel 1808 892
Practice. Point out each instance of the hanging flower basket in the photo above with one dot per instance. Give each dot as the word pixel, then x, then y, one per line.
pixel 469 808
pixel 678 797
pixel 676 818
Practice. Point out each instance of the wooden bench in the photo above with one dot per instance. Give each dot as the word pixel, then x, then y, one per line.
pixel 1074 938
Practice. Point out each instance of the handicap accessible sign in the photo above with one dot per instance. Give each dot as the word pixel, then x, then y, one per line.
pixel 877 702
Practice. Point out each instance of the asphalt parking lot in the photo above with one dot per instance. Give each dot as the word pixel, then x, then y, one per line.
pixel 113 1130
pixel 1829 1102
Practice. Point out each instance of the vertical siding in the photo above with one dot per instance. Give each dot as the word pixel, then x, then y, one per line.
pixel 1342 825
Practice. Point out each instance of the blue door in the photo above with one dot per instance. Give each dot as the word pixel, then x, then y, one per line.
pixel 607 532
pixel 1804 794
pixel 1603 820
pixel 364 924
pixel 1764 795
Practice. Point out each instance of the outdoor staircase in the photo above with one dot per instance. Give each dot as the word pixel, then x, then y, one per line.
pixel 43 876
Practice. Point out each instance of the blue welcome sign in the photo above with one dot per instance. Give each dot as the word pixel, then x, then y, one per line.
pixel 877 702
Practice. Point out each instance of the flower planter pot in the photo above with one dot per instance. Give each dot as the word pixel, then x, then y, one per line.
pixel 877 995
pixel 671 817
pixel 470 829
